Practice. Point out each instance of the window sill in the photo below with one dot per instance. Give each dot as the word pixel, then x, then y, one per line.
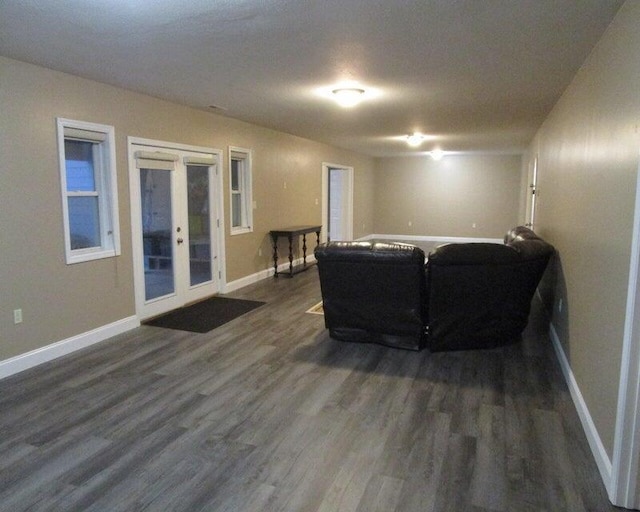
pixel 241 231
pixel 81 257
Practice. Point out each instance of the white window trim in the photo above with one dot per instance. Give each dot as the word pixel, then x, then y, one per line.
pixel 237 153
pixel 108 191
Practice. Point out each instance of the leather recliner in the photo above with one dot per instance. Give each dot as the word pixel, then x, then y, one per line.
pixel 466 296
pixel 373 292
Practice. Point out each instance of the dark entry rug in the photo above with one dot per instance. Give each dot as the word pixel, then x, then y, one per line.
pixel 205 315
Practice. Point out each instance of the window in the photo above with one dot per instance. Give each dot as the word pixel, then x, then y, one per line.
pixel 241 200
pixel 89 190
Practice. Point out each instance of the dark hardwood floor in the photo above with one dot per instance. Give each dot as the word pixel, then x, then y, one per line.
pixel 267 413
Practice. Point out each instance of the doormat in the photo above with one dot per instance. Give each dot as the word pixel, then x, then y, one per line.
pixel 316 310
pixel 205 315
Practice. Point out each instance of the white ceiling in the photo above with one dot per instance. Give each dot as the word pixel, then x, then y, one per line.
pixel 477 75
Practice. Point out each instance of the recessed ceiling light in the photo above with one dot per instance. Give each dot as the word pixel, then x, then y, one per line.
pixel 348 96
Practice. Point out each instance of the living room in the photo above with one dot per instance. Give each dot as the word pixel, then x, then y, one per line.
pixel 585 151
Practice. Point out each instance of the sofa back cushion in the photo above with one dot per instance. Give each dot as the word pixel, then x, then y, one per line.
pixel 373 287
pixel 480 294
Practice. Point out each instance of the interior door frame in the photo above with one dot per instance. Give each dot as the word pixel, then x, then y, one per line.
pixel 624 489
pixel 532 193
pixel 347 196
pixel 217 235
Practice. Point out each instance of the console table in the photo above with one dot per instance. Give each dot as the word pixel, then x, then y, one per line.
pixel 290 234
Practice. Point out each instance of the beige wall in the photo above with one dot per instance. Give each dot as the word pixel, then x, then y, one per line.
pixel 60 301
pixel 446 197
pixel 588 162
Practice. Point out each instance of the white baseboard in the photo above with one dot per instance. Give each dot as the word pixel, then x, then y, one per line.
pixel 264 274
pixel 443 239
pixel 61 348
pixel 595 443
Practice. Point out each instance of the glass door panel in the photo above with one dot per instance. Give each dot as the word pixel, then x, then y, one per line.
pixel 177 239
pixel 156 209
pixel 200 263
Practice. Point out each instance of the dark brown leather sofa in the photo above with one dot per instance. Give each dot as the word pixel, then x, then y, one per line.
pixel 466 296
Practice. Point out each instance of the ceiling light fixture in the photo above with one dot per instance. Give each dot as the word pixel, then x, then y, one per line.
pixel 348 96
pixel 415 139
pixel 437 154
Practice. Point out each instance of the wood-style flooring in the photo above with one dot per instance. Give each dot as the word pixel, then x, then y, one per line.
pixel 267 413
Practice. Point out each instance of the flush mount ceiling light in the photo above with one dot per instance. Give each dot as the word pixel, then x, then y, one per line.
pixel 348 93
pixel 348 96
pixel 415 139
pixel 437 154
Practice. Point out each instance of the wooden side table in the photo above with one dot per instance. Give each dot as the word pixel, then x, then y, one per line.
pixel 292 233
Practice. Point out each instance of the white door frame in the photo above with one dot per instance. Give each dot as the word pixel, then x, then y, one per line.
pixel 217 212
pixel 624 490
pixel 532 193
pixel 347 196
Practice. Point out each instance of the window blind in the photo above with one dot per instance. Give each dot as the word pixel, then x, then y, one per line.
pixel 155 160
pixel 86 135
pixel 200 160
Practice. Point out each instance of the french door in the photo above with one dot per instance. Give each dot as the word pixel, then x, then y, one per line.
pixel 175 211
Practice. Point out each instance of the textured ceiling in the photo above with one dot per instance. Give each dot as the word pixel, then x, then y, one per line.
pixel 475 75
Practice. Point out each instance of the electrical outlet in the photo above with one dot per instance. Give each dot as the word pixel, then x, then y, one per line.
pixel 410 223
pixel 473 225
pixel 17 316
pixel 259 251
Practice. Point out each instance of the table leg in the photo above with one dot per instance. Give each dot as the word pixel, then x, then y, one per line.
pixel 274 240
pixel 291 255
pixel 304 249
